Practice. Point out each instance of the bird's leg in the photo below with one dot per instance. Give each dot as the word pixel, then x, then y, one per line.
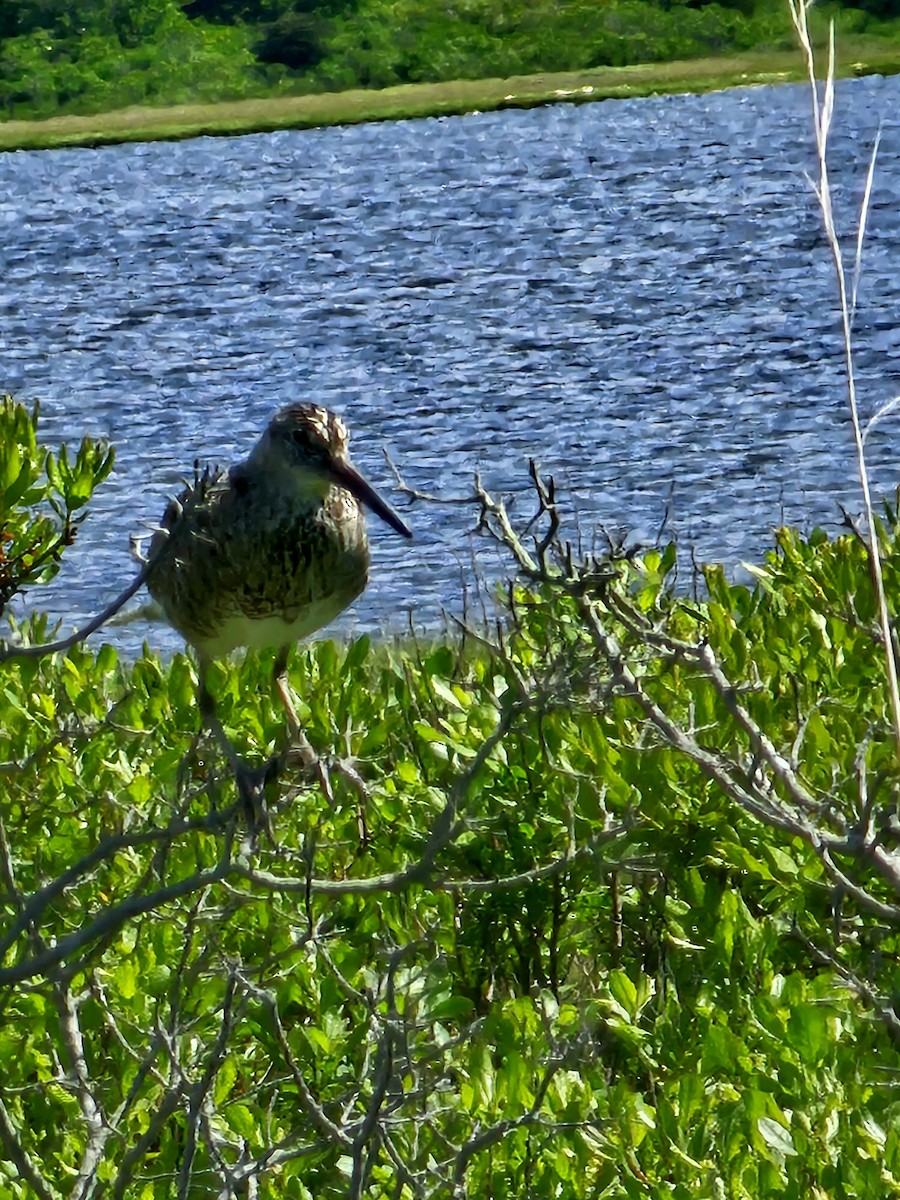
pixel 250 781
pixel 210 718
pixel 307 754
pixel 283 688
pixel 300 742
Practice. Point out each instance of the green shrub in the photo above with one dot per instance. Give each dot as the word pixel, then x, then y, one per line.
pixel 41 497
pixel 93 72
pixel 545 949
pixel 295 40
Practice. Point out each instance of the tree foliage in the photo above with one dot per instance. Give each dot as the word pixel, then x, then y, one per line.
pixel 615 912
pixel 88 56
pixel 120 54
pixel 40 495
pixel 295 40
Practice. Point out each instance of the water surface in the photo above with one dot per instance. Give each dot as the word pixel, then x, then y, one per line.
pixel 636 293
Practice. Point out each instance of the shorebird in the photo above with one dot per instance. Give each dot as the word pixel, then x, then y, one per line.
pixel 268 551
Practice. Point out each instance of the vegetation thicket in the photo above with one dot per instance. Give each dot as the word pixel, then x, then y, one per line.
pixel 617 914
pixel 87 56
pixel 614 911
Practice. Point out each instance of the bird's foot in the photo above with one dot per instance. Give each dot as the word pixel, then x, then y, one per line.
pixel 302 755
pixel 251 781
pixel 300 752
pixel 187 766
pixel 251 784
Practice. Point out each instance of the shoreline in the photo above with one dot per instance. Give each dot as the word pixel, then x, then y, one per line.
pixel 856 57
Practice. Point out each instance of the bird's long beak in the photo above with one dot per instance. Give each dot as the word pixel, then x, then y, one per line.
pixel 347 476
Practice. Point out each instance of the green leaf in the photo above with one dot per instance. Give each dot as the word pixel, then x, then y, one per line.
pixel 243 1120
pixel 776 1136
pixel 446 694
pixel 624 992
pixel 225 1080
pixel 10 467
pixel 127 975
pixel 450 1008
pixel 810 1031
pixel 357 654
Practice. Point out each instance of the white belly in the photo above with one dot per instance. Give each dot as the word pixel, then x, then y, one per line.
pixel 258 634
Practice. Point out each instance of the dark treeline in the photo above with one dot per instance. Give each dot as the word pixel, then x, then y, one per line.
pixel 91 55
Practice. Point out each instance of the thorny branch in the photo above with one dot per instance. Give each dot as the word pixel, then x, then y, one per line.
pixel 195 497
pixel 364 1129
pixel 765 782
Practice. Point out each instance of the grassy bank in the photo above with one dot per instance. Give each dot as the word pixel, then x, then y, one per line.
pixel 856 57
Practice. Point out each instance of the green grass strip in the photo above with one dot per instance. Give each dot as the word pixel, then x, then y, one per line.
pixel 858 56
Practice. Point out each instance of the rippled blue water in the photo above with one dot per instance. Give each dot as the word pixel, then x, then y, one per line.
pixel 634 292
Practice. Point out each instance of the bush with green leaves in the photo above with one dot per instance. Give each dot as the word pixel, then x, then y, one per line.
pixel 88 56
pixel 148 57
pixel 41 494
pixel 607 916
pixel 295 39
pixel 421 42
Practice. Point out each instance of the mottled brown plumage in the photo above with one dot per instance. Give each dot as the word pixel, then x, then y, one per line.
pixel 274 548
pixel 263 554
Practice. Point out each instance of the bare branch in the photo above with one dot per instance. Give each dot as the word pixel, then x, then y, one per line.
pixel 109 921
pixel 66 643
pixel 17 1154
pixel 98 1129
pixel 884 1008
pixel 495 1133
pixel 415 494
pixel 822 120
pixel 105 851
pixel 136 1153
pixel 200 1089
pixel 332 1132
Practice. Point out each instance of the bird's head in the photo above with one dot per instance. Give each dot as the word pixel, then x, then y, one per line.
pixel 313 444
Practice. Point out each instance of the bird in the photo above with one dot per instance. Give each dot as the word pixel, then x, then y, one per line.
pixel 267 551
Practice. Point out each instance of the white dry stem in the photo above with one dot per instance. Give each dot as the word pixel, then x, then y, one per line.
pixel 877 417
pixel 822 114
pixel 863 220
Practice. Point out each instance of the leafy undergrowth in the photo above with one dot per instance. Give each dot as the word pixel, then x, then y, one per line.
pixel 549 952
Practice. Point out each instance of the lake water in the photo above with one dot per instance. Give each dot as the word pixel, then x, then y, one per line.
pixel 636 293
